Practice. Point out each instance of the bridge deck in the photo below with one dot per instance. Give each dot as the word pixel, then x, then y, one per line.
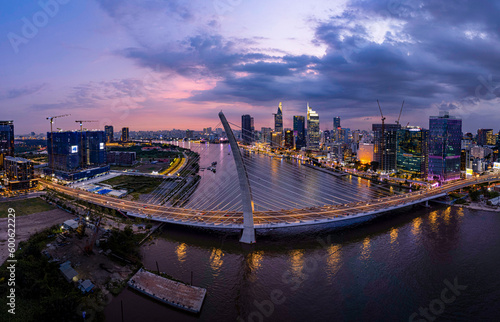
pixel 352 212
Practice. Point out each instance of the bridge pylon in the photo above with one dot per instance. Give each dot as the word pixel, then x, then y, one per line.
pixel 248 235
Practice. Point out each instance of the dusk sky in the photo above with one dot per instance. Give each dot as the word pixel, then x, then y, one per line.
pixel 156 64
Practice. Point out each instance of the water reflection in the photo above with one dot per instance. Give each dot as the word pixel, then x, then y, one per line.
pixel 365 251
pixel 416 223
pixel 447 212
pixel 333 261
pixel 254 260
pixel 297 260
pixel 394 234
pixel 180 250
pixel 216 259
pixel 433 220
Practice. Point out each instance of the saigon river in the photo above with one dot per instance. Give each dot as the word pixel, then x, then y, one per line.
pixel 437 262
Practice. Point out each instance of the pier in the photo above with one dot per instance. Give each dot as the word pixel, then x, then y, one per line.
pixel 180 295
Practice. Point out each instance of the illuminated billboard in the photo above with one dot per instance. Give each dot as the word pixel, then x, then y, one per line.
pixel 469 172
pixel 74 149
pixel 101 146
pixel 496 165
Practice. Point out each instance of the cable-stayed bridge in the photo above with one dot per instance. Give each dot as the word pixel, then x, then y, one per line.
pixel 281 204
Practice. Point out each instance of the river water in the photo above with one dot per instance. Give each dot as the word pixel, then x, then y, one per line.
pixel 439 262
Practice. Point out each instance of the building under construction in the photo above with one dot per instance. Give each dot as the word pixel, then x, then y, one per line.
pixel 71 152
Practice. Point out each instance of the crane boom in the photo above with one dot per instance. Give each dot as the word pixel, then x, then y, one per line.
pixel 382 138
pixel 383 118
pixel 400 111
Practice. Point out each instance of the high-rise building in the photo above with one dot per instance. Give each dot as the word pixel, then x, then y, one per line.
pixel 67 152
pixel 108 129
pixel 19 173
pixel 288 139
pixel 276 139
pixel 313 135
pixel 266 134
pixel 485 137
pixel 246 129
pixel 356 136
pixel 125 136
pixel 278 120
pixel 445 134
pixel 336 128
pixel 385 145
pixel 336 122
pixel 6 140
pixel 412 154
pixel 343 135
pixel 299 131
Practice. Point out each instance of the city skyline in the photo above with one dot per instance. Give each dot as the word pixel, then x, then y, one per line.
pixel 171 64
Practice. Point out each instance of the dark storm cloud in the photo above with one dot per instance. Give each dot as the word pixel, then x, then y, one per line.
pixel 433 53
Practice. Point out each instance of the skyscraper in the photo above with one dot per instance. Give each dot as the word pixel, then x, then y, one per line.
pixel 289 139
pixel 336 122
pixel 266 134
pixel 384 150
pixel 6 140
pixel 336 128
pixel 412 154
pixel 299 131
pixel 125 136
pixel 278 120
pixel 485 137
pixel 246 129
pixel 313 135
pixel 445 134
pixel 108 129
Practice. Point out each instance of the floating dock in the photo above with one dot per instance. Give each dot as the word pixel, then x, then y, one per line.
pixel 180 295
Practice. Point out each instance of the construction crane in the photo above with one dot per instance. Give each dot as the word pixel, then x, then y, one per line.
pixel 400 111
pixel 382 140
pixel 51 119
pixel 81 137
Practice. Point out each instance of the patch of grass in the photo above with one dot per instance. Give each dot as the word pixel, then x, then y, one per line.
pixel 25 207
pixel 136 184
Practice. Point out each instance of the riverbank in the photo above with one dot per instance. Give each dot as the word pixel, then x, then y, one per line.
pixel 479 206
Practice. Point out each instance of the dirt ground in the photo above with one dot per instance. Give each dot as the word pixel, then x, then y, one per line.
pixel 28 225
pixel 97 267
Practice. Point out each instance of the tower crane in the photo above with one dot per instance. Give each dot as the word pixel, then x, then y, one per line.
pixel 51 120
pixel 400 111
pixel 382 141
pixel 81 136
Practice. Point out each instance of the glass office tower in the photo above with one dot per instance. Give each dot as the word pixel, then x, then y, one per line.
pixel 412 152
pixel 445 135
